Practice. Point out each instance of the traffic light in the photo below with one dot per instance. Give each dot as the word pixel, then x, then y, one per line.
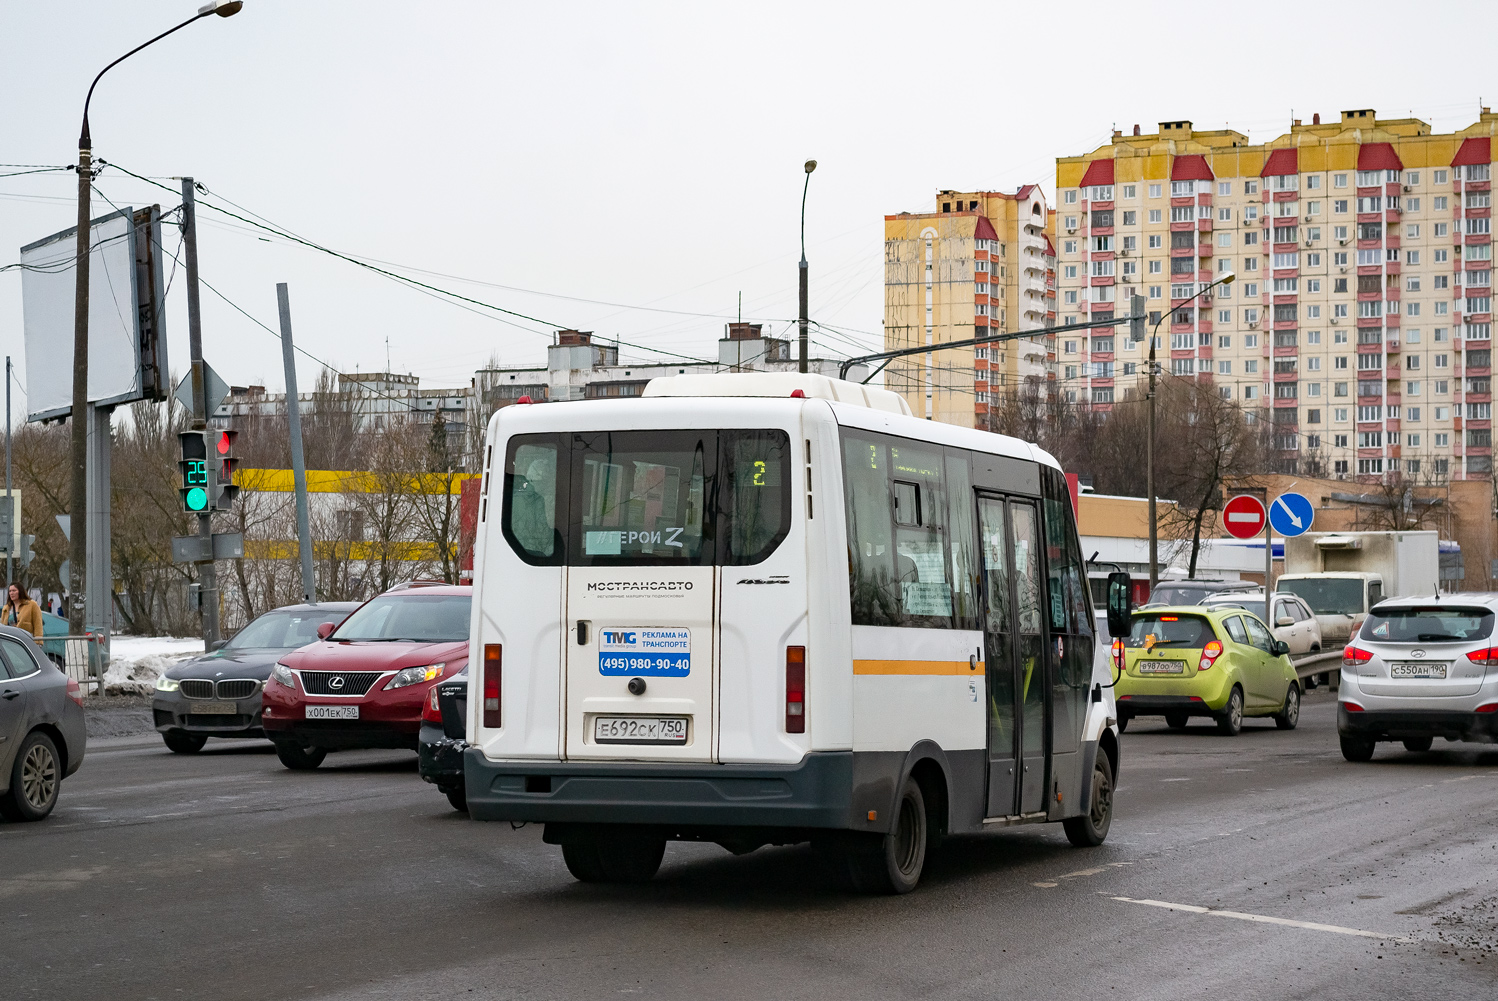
pixel 223 449
pixel 197 476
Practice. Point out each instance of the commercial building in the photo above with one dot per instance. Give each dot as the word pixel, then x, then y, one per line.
pixel 1360 321
pixel 981 263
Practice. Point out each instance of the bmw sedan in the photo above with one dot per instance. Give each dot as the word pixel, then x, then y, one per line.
pixel 219 693
pixel 1418 669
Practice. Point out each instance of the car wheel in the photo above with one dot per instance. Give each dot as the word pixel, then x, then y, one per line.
pixel 1417 745
pixel 184 743
pixel 1289 713
pixel 1309 681
pixel 1176 721
pixel 299 758
pixel 1089 830
pixel 1356 748
pixel 458 797
pixel 615 855
pixel 1230 720
pixel 34 780
pixel 890 863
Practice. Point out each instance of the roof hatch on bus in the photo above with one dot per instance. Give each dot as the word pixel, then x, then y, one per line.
pixel 782 384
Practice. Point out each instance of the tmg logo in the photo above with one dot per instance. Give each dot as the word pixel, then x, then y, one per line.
pixel 622 638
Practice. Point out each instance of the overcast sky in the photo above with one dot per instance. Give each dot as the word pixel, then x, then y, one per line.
pixel 630 168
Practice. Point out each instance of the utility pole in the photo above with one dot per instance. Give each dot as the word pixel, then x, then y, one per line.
pixel 207 573
pixel 298 460
pixel 811 165
pixel 10 503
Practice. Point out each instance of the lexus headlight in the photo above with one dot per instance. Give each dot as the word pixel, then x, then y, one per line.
pixel 165 684
pixel 415 675
pixel 281 675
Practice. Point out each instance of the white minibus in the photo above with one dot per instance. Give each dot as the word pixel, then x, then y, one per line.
pixel 762 609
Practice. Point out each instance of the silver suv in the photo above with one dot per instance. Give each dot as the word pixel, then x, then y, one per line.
pixel 1420 668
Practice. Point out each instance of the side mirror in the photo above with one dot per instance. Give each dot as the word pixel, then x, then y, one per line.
pixel 325 629
pixel 1280 648
pixel 1120 604
pixel 217 645
pixel 1284 620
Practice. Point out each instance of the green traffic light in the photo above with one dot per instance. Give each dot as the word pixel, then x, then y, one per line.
pixel 196 499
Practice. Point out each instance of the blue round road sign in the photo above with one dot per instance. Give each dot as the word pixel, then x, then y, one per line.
pixel 1291 515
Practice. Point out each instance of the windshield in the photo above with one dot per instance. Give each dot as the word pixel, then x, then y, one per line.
pixel 282 630
pixel 1428 625
pixel 1184 631
pixel 1328 595
pixel 414 617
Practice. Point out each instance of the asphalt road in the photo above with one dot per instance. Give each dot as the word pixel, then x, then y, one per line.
pixel 223 875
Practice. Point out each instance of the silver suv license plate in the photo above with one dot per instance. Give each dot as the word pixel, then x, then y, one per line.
pixel 1417 670
pixel 640 729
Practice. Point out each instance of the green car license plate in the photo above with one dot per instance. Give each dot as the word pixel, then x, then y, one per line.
pixel 1162 667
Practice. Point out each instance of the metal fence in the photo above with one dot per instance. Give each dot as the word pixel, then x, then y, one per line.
pixel 82 658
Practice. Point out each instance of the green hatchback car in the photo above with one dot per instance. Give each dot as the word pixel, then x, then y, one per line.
pixel 1199 661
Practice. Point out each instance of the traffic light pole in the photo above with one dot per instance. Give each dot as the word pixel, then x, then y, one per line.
pixel 207 576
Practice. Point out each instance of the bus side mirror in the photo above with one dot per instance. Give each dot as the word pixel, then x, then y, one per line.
pixel 1120 604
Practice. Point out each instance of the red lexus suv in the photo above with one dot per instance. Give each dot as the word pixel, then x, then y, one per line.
pixel 365 682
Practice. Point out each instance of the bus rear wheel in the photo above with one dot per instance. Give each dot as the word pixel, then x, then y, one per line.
pixel 614 855
pixel 890 863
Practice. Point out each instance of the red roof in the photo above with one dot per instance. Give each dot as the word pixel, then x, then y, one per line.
pixel 984 230
pixel 1098 172
pixel 1191 167
pixel 1281 161
pixel 1378 156
pixel 1050 250
pixel 1024 192
pixel 1474 151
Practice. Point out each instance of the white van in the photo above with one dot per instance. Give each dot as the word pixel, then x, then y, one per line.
pixel 765 609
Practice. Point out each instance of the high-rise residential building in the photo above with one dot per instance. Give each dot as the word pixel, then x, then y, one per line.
pixel 1359 323
pixel 980 264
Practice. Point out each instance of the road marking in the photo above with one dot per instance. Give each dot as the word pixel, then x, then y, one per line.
pixel 1469 778
pixel 1182 779
pixel 1044 886
pixel 1085 872
pixel 1265 919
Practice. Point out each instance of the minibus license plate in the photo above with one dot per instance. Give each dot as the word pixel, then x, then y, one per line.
pixel 640 729
pixel 1417 670
pixel 332 712
pixel 1162 667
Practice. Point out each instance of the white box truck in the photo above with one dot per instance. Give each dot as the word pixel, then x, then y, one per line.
pixel 1341 575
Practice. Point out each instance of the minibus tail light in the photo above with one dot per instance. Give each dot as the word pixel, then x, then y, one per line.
pixel 1210 653
pixel 795 689
pixel 1352 656
pixel 493 662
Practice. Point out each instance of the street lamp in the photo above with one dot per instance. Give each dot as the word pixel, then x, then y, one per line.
pixel 78 504
pixel 1149 445
pixel 811 165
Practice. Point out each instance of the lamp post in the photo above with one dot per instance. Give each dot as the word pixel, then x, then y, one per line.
pixel 1149 444
pixel 78 453
pixel 811 165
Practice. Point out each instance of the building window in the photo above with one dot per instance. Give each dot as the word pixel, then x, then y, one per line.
pixel 1224 368
pixel 1131 243
pixel 1070 222
pixel 1250 187
pixel 1154 266
pixel 1154 291
pixel 1070 297
pixel 1069 247
pixel 1440 229
pixel 1131 218
pixel 1156 241
pixel 1070 271
pixel 1070 196
pixel 1154 191
pixel 1412 388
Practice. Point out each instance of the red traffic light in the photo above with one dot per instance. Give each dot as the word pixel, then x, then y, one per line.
pixel 224 441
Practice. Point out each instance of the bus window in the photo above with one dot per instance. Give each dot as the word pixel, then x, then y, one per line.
pixel 757 489
pixel 530 503
pixel 640 496
pixel 871 564
pixel 1070 616
pixel 964 562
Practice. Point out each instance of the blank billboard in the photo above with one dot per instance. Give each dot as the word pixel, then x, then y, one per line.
pixel 127 342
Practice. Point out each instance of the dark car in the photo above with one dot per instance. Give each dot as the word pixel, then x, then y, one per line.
pixel 1194 592
pixel 365 685
pixel 219 693
pixel 443 731
pixel 42 737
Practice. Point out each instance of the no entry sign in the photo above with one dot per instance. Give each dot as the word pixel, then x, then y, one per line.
pixel 1243 516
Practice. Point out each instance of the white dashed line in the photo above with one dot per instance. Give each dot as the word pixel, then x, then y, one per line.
pixel 1264 919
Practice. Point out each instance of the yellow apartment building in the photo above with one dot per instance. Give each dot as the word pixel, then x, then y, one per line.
pixel 1359 324
pixel 980 263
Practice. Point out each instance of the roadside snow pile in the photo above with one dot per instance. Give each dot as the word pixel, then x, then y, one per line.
pixel 135 662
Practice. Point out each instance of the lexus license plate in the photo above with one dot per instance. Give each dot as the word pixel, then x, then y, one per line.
pixel 332 712
pixel 1162 667
pixel 640 729
pixel 1417 671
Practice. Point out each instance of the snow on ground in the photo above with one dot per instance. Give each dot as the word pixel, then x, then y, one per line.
pixel 135 662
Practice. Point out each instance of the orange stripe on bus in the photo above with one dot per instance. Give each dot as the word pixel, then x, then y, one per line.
pixel 916 667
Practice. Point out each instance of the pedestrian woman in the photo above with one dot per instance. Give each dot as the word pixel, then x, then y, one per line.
pixel 23 613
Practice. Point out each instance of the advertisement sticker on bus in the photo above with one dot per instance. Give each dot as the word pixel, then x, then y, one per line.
pixel 662 652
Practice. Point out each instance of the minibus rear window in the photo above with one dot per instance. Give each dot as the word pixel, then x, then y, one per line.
pixel 663 498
